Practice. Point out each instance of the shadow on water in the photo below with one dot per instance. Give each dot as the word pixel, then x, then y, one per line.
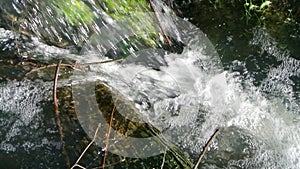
pixel 233 34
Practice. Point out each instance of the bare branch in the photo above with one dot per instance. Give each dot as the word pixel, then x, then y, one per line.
pixel 159 24
pixel 164 159
pixel 48 66
pixel 58 122
pixel 87 147
pixel 102 62
pixel 77 165
pixel 107 136
pixel 206 147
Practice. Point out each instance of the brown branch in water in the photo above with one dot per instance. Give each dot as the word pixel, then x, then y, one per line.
pixel 206 147
pixel 107 136
pixel 58 122
pixel 49 66
pixel 72 66
pixel 55 87
pixel 164 159
pixel 160 27
pixel 86 148
pixel 77 165
pixel 102 62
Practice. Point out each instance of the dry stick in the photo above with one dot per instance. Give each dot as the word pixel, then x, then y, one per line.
pixel 48 66
pixel 164 159
pixel 86 148
pixel 72 66
pixel 77 165
pixel 54 88
pixel 206 147
pixel 58 122
pixel 160 27
pixel 107 136
pixel 101 62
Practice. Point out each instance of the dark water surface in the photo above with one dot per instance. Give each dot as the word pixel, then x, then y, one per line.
pixel 254 99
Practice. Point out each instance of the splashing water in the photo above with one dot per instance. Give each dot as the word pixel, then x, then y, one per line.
pixel 188 100
pixel 187 96
pixel 25 135
pixel 19 107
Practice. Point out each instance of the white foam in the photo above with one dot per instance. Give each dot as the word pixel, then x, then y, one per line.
pixel 205 98
pixel 19 102
pixel 206 101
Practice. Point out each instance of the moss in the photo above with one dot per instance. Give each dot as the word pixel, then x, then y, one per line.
pixel 75 11
pixel 137 13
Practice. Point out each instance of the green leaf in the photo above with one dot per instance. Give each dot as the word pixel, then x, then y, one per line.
pixel 265 4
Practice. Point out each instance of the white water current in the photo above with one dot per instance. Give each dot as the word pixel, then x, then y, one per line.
pixel 188 101
pixel 188 96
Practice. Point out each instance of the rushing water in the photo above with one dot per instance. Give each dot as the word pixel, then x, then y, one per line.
pixel 259 123
pixel 187 95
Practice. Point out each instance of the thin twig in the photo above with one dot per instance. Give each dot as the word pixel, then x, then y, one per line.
pixel 107 136
pixel 49 66
pixel 58 122
pixel 206 147
pixel 73 66
pixel 87 147
pixel 77 165
pixel 101 62
pixel 54 88
pixel 164 159
pixel 159 24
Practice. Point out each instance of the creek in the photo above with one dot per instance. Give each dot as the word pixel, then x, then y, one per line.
pixel 242 82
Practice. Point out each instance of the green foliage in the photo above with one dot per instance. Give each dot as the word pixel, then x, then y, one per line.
pixel 252 8
pixel 137 13
pixel 74 11
pixel 117 9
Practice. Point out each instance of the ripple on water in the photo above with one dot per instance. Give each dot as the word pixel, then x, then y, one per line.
pixel 21 120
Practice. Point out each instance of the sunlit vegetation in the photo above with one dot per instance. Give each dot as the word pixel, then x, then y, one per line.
pixel 75 11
